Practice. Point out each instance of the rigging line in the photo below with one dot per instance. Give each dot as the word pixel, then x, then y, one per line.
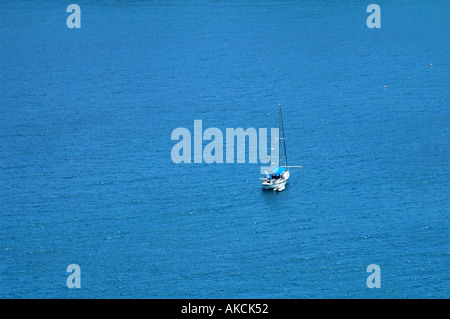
pixel 284 139
pixel 279 133
pixel 294 171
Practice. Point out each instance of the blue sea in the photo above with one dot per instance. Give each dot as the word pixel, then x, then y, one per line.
pixel 87 178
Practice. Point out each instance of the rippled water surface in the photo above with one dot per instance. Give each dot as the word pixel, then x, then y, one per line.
pixel 86 117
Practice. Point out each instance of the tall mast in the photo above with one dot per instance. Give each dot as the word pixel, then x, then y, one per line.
pixel 284 140
pixel 279 137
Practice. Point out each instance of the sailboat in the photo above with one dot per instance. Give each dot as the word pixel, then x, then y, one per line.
pixel 276 180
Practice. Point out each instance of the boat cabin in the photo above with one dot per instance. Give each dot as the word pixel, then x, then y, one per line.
pixel 277 173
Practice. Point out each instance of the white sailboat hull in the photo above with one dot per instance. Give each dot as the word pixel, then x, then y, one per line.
pixel 276 183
